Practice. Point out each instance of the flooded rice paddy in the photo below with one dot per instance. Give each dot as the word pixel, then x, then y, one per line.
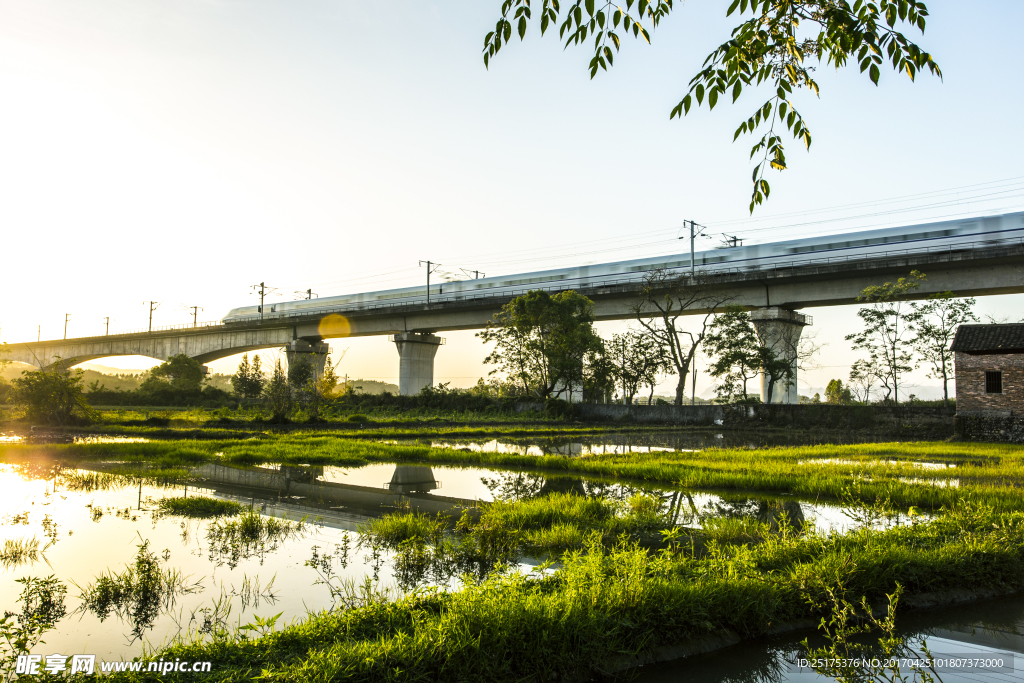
pixel 637 442
pixel 97 532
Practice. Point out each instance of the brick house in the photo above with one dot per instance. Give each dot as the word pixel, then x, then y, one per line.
pixel 990 381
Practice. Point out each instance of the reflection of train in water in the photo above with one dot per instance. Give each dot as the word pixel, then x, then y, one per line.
pixel 952 235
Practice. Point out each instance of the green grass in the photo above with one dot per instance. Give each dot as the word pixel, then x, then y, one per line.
pixel 985 472
pixel 111 417
pixel 604 603
pixel 199 506
pixel 393 530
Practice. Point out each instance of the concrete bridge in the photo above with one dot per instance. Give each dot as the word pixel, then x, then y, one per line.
pixel 774 294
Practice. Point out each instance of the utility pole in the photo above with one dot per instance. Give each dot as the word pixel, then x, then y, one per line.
pixel 263 291
pixel 39 334
pixel 694 234
pixel 309 294
pixel 195 314
pixel 693 381
pixel 108 325
pixel 476 273
pixel 732 240
pixel 66 316
pixel 153 305
pixel 429 271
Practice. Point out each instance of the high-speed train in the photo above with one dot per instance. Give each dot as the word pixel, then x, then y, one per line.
pixel 959 234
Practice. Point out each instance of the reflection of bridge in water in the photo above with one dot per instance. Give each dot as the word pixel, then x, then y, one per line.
pixel 303 488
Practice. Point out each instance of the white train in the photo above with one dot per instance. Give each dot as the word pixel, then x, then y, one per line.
pixel 946 235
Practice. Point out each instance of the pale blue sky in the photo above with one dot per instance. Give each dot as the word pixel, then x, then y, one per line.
pixel 184 151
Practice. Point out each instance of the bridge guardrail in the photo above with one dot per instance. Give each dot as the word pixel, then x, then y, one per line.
pixel 713 269
pixel 633 279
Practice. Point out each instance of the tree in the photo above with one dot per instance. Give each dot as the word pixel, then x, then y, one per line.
pixel 182 372
pixel 887 323
pixel 836 393
pixel 743 353
pixel 300 371
pixel 937 320
pixel 732 342
pixel 278 393
pixel 53 395
pixel 541 341
pixel 599 376
pixel 318 390
pixel 248 381
pixel 240 380
pixel 864 376
pixel 636 360
pixel 662 299
pixel 774 360
pixel 779 46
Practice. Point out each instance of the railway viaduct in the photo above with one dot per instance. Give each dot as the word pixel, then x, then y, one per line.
pixel 774 295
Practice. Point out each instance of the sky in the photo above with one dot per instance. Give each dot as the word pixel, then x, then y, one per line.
pixel 183 152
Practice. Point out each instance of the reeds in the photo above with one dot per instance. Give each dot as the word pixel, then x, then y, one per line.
pixel 138 594
pixel 250 534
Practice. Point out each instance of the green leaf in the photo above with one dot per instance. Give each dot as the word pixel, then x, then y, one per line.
pixel 522 27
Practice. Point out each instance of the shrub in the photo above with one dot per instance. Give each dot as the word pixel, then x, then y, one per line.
pixel 53 395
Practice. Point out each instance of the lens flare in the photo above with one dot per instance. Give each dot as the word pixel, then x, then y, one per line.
pixel 334 325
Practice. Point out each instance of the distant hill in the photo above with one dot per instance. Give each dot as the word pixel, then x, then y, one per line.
pixel 124 380
pixel 372 386
pixel 107 370
pixel 13 370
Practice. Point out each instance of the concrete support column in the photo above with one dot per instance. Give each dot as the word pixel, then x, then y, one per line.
pixel 779 330
pixel 416 361
pixel 315 352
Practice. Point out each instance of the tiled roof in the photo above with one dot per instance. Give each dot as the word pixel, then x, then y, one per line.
pixel 989 338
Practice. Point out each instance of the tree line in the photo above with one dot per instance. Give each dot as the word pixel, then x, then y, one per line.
pixel 545 345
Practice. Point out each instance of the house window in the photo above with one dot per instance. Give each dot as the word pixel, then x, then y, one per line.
pixel 994 382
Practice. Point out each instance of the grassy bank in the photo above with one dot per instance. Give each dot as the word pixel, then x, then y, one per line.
pixel 605 603
pixel 111 418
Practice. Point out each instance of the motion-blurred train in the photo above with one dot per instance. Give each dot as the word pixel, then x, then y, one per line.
pixel 951 235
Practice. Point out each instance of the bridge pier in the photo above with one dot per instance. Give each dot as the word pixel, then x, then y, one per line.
pixel 416 360
pixel 313 352
pixel 779 329
pixel 412 479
